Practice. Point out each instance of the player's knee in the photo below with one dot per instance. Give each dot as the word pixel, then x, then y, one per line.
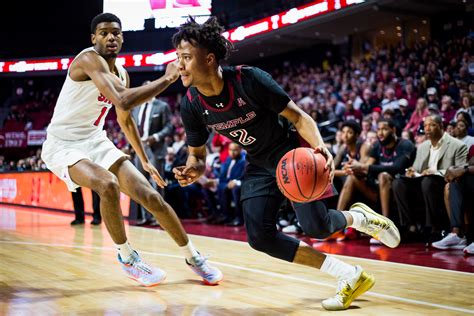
pixel 153 200
pixel 384 178
pixel 261 240
pixel 108 187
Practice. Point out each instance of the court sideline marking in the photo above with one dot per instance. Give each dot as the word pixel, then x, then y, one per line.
pixel 405 265
pixel 257 271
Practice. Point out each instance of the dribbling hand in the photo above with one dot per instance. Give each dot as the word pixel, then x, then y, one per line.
pixel 329 160
pixel 148 167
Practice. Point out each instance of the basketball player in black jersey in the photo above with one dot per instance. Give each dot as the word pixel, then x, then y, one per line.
pixel 248 106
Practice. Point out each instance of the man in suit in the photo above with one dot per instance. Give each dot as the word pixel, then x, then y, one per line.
pixel 228 188
pixel 153 120
pixel 426 178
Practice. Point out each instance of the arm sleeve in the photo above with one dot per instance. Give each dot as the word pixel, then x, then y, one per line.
pixel 261 86
pixel 196 131
pixel 400 163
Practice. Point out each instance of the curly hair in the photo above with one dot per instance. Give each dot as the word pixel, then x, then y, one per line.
pixel 206 35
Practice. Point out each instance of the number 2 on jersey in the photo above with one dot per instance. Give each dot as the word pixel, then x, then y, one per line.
pixel 243 136
pixel 102 112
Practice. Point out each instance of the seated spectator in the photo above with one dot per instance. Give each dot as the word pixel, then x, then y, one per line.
pixel 432 95
pixel 403 116
pixel 368 102
pixel 464 116
pixel 388 158
pixel 426 177
pixel 466 106
pixel 461 204
pixel 421 111
pixel 350 148
pixel 460 132
pixel 450 127
pixel 228 188
pixel 447 111
pixel 390 101
pixel 351 113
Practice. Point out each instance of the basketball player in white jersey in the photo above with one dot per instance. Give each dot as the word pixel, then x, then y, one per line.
pixel 78 151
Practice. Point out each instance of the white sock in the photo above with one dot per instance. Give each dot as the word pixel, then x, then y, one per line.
pixel 189 250
pixel 125 251
pixel 337 268
pixel 357 219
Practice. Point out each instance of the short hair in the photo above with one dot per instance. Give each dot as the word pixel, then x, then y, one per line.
pixel 353 125
pixel 206 35
pixel 104 17
pixel 389 122
pixel 437 119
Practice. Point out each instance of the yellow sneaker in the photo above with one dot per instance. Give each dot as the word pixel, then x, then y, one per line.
pixel 348 290
pixel 377 226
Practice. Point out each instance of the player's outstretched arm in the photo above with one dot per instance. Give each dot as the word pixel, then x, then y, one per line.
pixel 96 68
pixel 308 129
pixel 195 166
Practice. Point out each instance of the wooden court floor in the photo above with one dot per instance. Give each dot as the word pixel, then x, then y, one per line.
pixel 49 267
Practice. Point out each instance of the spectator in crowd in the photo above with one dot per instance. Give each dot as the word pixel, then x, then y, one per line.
pixel 466 106
pixel 461 129
pixel 461 204
pixel 228 189
pixel 368 102
pixel 388 158
pixel 433 158
pixel 154 124
pixel 417 116
pixel 432 95
pixel 447 111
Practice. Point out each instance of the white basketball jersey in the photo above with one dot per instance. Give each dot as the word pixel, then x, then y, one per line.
pixel 81 109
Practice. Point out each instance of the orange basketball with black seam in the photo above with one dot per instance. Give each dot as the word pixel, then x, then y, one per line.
pixel 301 176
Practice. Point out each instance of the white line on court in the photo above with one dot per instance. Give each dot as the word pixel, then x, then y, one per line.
pixel 273 274
pixel 405 265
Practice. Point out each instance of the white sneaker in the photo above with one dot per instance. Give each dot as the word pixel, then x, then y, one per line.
pixel 348 290
pixel 469 250
pixel 451 241
pixel 377 226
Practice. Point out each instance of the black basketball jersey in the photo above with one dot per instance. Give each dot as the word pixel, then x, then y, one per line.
pixel 246 112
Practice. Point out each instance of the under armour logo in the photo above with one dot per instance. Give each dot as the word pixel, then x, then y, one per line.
pixel 241 102
pixel 206 112
pixel 219 105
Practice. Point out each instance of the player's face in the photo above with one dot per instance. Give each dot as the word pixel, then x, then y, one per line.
pixel 193 64
pixel 348 136
pixel 384 133
pixel 108 39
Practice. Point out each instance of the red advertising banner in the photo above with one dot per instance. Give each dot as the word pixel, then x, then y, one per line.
pixel 13 139
pixel 44 189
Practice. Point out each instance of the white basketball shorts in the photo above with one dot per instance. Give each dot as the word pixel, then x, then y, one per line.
pixel 59 154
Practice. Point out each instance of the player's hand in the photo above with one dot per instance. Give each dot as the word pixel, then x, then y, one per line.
pixel 329 160
pixel 148 167
pixel 187 175
pixel 172 71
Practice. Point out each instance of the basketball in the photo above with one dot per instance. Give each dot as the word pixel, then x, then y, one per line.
pixel 301 176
